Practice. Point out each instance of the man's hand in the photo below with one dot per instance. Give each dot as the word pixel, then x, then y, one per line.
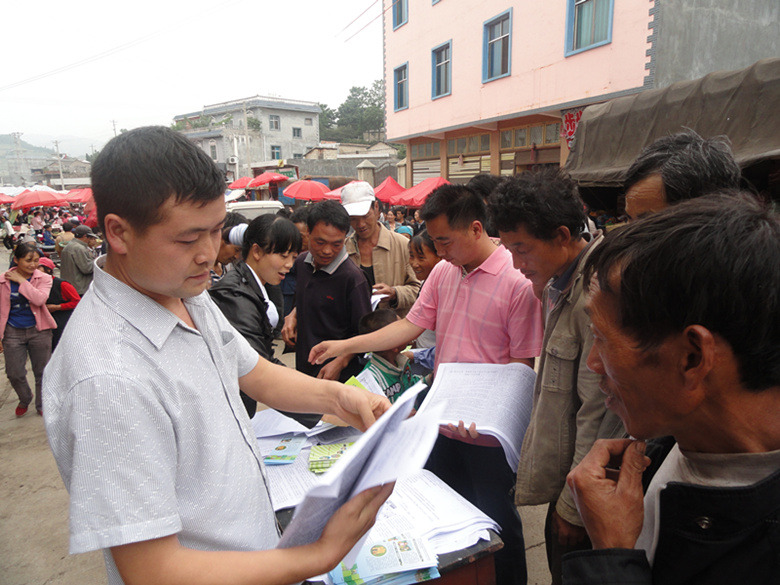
pixel 384 289
pixel 357 407
pixel 470 433
pixel 290 328
pixel 613 511
pixel 350 523
pixel 332 370
pixel 325 350
pixel 568 534
pixel 53 308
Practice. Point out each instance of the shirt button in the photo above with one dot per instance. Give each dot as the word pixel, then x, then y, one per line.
pixel 704 522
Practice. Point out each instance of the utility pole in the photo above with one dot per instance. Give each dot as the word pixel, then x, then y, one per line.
pixel 59 164
pixel 17 136
pixel 246 143
pixel 114 123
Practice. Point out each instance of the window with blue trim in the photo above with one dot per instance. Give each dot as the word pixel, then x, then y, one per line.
pixel 401 83
pixel 276 152
pixel 441 67
pixel 589 24
pixel 400 12
pixel 497 47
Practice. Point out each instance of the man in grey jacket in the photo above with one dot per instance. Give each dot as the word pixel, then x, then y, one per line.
pixel 76 261
pixel 540 219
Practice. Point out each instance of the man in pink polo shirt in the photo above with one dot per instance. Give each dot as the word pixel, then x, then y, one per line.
pixel 483 311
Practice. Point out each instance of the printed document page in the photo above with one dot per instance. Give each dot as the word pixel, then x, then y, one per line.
pixel 497 397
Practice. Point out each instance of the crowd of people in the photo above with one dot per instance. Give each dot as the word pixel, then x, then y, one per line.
pixel 652 438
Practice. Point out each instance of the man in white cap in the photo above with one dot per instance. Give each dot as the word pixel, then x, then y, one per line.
pixel 382 255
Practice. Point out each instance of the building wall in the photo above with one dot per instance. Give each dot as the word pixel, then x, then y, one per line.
pixel 284 136
pixel 541 75
pixel 697 38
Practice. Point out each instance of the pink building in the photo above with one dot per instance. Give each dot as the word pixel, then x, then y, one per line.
pixel 498 86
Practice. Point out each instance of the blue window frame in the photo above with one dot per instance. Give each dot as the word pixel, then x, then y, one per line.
pixel 441 70
pixel 497 47
pixel 400 13
pixel 588 25
pixel 401 85
pixel 276 152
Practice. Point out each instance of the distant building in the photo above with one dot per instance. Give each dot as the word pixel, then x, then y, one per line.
pixel 338 150
pixel 242 134
pixel 499 86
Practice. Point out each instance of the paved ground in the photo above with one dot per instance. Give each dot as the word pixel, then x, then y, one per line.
pixel 34 509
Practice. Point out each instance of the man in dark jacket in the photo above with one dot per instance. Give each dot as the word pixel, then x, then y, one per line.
pixel 686 318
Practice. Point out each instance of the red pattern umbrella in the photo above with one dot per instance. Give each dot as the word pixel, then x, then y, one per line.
pixel 240 183
pixel 306 190
pixel 28 198
pixel 416 196
pixel 388 191
pixel 265 178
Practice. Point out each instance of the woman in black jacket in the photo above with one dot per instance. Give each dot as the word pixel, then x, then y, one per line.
pixel 269 246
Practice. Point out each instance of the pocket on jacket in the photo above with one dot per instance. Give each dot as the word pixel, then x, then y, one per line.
pixel 562 363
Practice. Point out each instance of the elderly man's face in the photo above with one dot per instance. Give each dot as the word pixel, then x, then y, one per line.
pixel 640 386
pixel 645 197
pixel 366 226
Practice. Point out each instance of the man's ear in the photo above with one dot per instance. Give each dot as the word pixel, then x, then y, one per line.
pixel 477 228
pixel 562 235
pixel 118 232
pixel 698 356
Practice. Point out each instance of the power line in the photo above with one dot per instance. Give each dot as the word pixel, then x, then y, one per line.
pixel 370 22
pixel 358 16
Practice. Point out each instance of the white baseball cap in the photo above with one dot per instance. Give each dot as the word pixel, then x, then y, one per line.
pixel 357 198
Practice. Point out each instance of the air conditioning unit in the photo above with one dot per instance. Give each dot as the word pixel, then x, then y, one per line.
pixel 232 160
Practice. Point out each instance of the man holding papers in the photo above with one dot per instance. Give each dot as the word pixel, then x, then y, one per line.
pixel 143 412
pixel 483 311
pixel 541 221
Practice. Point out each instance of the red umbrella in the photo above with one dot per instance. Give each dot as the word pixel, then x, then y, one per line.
pixel 6 198
pixel 27 199
pixel 306 190
pixel 388 190
pixel 240 183
pixel 265 178
pixel 415 196
pixel 78 195
pixel 336 193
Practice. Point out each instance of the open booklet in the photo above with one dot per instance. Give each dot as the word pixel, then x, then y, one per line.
pixel 497 397
pixel 394 446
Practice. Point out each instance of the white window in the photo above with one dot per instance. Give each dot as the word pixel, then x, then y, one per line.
pixel 497 47
pixel 276 152
pixel 442 71
pixel 274 122
pixel 588 24
pixel 401 92
pixel 297 133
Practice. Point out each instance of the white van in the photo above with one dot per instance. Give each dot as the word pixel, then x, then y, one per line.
pixel 252 209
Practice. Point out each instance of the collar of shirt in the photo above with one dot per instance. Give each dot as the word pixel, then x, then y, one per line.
pixel 493 264
pixel 271 311
pixel 334 264
pixel 151 319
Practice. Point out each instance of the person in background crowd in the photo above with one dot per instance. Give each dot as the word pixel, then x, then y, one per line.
pixel 540 219
pixel 77 259
pixel 678 167
pixel 288 285
pixel 228 252
pixel 25 325
pixel 7 233
pixel 64 238
pixel 63 298
pixel 332 294
pixel 382 255
pixel 422 258
pixel 270 245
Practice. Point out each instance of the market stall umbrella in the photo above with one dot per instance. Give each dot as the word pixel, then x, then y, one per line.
pixel 28 199
pixel 416 196
pixel 388 190
pixel 78 195
pixel 265 178
pixel 6 198
pixel 240 183
pixel 336 193
pixel 306 190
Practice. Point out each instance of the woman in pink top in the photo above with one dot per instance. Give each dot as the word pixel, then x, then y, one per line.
pixel 25 324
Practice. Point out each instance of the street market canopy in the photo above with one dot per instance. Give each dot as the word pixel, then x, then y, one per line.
pixel 744 105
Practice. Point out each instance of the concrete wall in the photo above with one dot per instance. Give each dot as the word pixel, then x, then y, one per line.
pixel 284 136
pixel 541 74
pixel 701 36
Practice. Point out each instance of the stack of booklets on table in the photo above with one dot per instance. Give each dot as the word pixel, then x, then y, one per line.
pixel 399 560
pixel 322 457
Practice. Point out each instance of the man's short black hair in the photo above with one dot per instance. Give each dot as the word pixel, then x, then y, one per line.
pixel 329 212
pixel 539 201
pixel 689 166
pixel 139 170
pixel 375 320
pixel 458 203
pixel 711 261
pixel 300 215
pixel 484 184
pixel 67 226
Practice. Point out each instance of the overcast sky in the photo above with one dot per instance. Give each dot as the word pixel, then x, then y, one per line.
pixel 70 68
